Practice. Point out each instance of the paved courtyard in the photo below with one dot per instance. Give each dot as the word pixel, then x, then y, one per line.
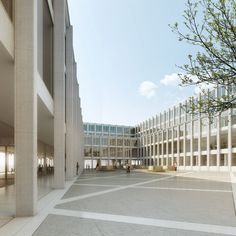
pixel 141 203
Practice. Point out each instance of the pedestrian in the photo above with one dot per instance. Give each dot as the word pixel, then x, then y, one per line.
pixel 77 168
pixel 175 166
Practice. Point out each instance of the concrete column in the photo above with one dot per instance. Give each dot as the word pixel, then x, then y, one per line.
pixel 184 145
pixel 208 142
pixel 230 139
pixel 167 147
pixel 6 162
pixel 178 144
pixel 191 142
pixel 77 123
pixel 199 141
pixel 44 159
pixel 70 162
pixel 154 150
pixel 75 115
pixel 218 141
pixel 172 146
pixel 162 147
pixel 59 94
pixel 26 106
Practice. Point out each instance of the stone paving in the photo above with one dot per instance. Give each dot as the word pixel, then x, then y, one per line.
pixel 140 203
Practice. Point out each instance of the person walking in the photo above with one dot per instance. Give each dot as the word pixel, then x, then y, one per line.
pixel 77 168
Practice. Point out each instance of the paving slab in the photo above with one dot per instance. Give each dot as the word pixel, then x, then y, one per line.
pixel 71 226
pixel 192 206
pixel 191 183
pixel 78 190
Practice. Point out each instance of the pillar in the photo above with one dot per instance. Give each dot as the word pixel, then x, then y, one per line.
pixel 75 116
pixel 59 94
pixel 208 142
pixel 70 163
pixel 218 141
pixel 6 162
pixel 230 139
pixel 26 107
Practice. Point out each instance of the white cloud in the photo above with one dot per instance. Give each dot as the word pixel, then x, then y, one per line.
pixel 147 89
pixel 171 80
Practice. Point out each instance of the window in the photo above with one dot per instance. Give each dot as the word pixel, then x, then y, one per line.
pixel 106 129
pixel 91 128
pixel 120 130
pixel 113 129
pixel 99 128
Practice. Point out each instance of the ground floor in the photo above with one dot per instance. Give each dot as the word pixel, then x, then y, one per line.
pixel 139 203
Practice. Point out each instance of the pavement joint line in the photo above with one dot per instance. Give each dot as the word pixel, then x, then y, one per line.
pixel 158 188
pixel 99 185
pixel 115 189
pixel 196 227
pixel 103 177
pixel 185 189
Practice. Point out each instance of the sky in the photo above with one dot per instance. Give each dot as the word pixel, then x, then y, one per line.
pixel 127 58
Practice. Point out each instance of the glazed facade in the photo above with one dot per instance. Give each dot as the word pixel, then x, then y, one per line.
pixel 190 141
pixel 175 137
pixel 109 143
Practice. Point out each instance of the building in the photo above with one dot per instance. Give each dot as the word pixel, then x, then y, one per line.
pixel 191 141
pixel 109 144
pixel 40 119
pixel 175 137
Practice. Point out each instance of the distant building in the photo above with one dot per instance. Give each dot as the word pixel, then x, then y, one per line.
pixel 109 144
pixel 174 137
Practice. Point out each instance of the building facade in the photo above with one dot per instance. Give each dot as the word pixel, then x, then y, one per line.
pixel 109 144
pixel 40 120
pixel 175 137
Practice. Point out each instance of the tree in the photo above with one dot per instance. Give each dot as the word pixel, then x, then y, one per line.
pixel 210 26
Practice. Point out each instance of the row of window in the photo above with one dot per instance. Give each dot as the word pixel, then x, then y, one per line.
pixel 110 152
pixel 166 120
pixel 204 124
pixel 99 128
pixel 105 141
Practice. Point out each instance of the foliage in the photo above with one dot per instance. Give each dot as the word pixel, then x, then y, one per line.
pixel 211 27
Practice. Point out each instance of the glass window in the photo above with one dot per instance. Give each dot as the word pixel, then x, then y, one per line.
pixel 113 129
pixel 96 141
pixel 127 142
pixel 98 128
pixel 119 142
pixel 127 130
pixel 120 130
pixel 88 152
pixel 91 128
pixel 106 129
pixel 96 152
pixel 113 142
pixel 105 141
pixel 88 141
pixel 113 152
pixel 85 128
pixel 119 152
pixel 188 128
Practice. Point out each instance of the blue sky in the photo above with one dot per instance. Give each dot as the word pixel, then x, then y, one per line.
pixel 127 57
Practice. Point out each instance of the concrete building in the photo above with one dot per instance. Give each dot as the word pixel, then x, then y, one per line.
pixel 40 120
pixel 109 144
pixel 175 137
pixel 191 141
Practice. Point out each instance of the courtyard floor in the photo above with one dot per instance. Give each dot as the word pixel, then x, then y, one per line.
pixel 140 203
